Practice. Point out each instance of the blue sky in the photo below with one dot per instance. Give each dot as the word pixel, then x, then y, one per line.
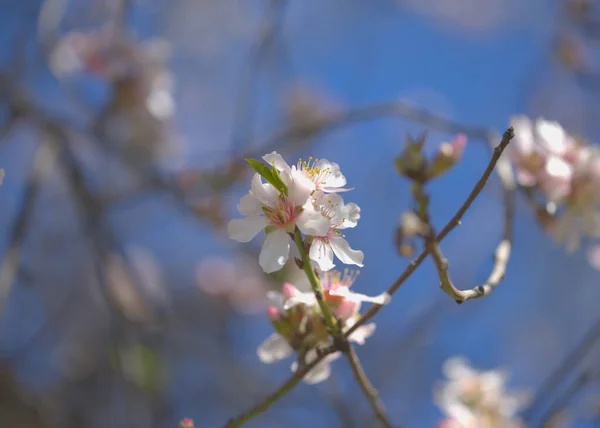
pixel 356 54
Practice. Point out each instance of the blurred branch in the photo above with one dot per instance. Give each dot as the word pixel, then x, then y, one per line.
pixel 454 221
pixel 43 161
pixel 369 390
pixel 562 402
pixel 280 392
pixel 574 358
pixel 244 110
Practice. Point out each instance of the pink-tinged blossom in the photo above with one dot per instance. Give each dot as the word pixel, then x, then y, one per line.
pixel 325 175
pixel 543 154
pixel 581 212
pixel 471 398
pixel 266 207
pixel 341 216
pixel 296 317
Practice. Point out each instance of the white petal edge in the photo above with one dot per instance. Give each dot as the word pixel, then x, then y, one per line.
pixel 347 255
pixel 322 254
pixel 275 251
pixel 245 229
pixel 274 348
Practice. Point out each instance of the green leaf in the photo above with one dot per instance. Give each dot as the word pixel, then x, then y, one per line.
pixel 270 174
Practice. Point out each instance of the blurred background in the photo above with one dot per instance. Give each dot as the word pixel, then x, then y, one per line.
pixel 123 129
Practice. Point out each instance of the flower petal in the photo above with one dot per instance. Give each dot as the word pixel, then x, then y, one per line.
pixel 299 186
pixel 244 229
pixel 362 333
pixel 264 192
pixel 321 252
pixel 307 299
pixel 274 348
pixel 277 159
pixel 276 299
pixel 321 371
pixel 249 205
pixel 349 214
pixel 347 255
pixel 275 251
pixel 312 222
pixel 335 178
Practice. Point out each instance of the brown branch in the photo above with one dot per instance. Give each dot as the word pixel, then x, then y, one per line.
pixel 370 392
pixel 454 221
pixel 43 161
pixel 286 387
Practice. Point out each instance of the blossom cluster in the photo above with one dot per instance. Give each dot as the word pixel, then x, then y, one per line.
pixel 477 399
pixel 296 318
pixel 301 197
pixel 136 70
pixel 564 170
pixel 300 203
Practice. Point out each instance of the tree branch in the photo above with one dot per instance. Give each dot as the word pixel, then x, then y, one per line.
pixel 454 221
pixel 370 392
pixel 280 392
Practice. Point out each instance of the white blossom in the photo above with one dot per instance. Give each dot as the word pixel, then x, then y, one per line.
pixel 325 175
pixel 473 398
pixel 266 206
pixel 341 216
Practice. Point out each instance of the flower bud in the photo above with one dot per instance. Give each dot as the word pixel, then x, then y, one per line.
pixel 448 154
pixel 186 423
pixel 289 291
pixel 411 163
pixel 273 313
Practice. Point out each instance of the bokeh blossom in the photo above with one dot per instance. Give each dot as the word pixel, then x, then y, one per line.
pixel 477 399
pixel 565 171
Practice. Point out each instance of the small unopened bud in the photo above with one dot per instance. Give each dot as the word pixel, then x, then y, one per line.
pixel 448 154
pixel 186 423
pixel 289 291
pixel 411 163
pixel 273 313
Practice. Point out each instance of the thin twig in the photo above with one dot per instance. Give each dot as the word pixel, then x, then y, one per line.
pixel 572 360
pixel 454 221
pixel 243 115
pixel 370 392
pixel 43 161
pixel 286 387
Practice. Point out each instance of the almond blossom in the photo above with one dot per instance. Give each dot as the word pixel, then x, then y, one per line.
pixel 544 156
pixel 296 317
pixel 472 398
pixel 325 175
pixel 280 213
pixel 341 216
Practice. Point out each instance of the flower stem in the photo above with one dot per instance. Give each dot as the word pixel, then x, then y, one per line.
pixel 314 283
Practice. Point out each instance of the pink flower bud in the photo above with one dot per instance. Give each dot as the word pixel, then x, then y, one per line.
pixel 273 313
pixel 345 309
pixel 449 153
pixel 289 291
pixel 186 423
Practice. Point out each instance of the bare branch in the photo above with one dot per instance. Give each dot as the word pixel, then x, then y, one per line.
pixel 43 161
pixel 370 392
pixel 281 391
pixel 454 221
